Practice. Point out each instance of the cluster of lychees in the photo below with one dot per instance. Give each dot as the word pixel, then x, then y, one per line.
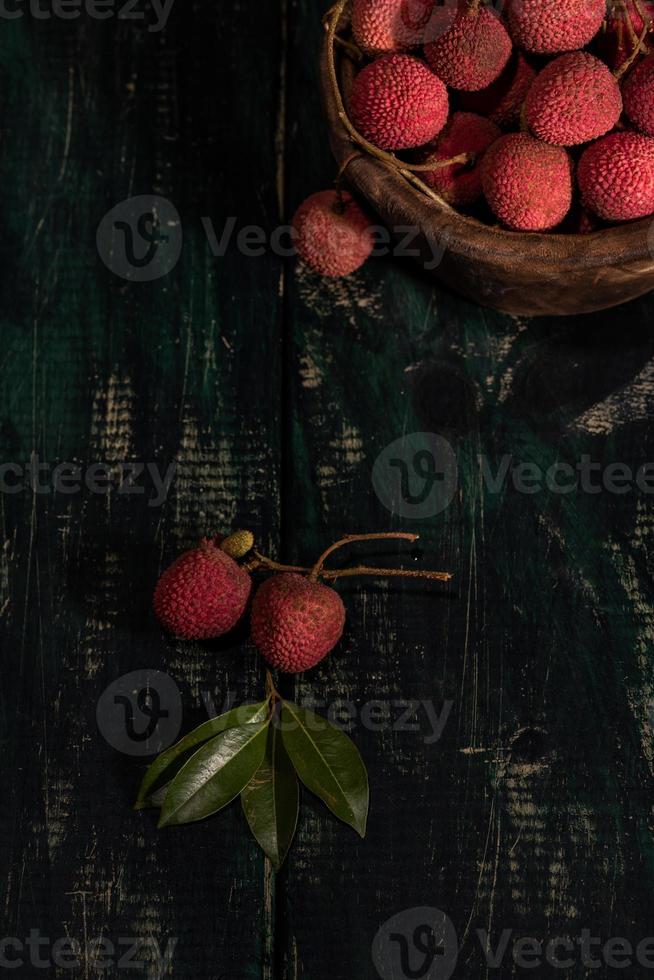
pixel 296 619
pixel 536 113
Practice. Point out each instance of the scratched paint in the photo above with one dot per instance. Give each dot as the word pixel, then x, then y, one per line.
pixel 549 621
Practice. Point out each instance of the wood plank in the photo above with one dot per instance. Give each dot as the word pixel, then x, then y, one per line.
pixel 532 811
pixel 184 369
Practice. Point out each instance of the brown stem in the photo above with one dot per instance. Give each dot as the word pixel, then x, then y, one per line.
pixel 639 42
pixel 647 21
pixel 391 535
pixel 624 20
pixel 354 52
pixel 387 572
pixel 261 561
pixel 644 16
pixel 272 694
pixel 451 162
pixel 335 10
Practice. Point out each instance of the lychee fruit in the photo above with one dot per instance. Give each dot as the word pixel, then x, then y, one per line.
pixel 332 234
pixel 573 100
pixel 616 176
pixel 502 101
pixel 460 184
pixel 296 622
pixel 554 26
pixel 638 95
pixel 203 594
pixel 528 184
pixel 383 26
pixel 473 52
pixel 397 103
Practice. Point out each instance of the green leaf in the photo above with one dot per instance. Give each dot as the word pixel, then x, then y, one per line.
pixel 328 763
pixel 271 801
pixel 215 775
pixel 166 766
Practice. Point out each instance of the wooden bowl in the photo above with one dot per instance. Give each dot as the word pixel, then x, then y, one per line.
pixel 516 272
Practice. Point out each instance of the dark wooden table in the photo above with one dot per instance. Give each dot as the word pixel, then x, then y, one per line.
pixel 274 392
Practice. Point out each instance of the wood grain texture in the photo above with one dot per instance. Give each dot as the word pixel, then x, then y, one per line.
pixel 274 392
pixel 96 369
pixel 531 813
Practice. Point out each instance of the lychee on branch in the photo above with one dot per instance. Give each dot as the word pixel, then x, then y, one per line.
pixel 205 592
pixel 260 752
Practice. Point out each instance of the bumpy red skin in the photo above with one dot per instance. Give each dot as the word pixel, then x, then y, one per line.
pixel 527 184
pixel 502 101
pixel 332 243
pixel 617 42
pixel 554 26
pixel 203 594
pixel 473 52
pixel 574 99
pixel 460 185
pixel 616 176
pixel 638 94
pixel 295 622
pixel 397 103
pixel 383 26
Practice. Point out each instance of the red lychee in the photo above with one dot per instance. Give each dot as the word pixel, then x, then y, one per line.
pixel 384 26
pixel 397 103
pixel 573 100
pixel 528 184
pixel 296 622
pixel 203 594
pixel 638 94
pixel 460 184
pixel 473 52
pixel 502 101
pixel 333 236
pixel 554 26
pixel 616 176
